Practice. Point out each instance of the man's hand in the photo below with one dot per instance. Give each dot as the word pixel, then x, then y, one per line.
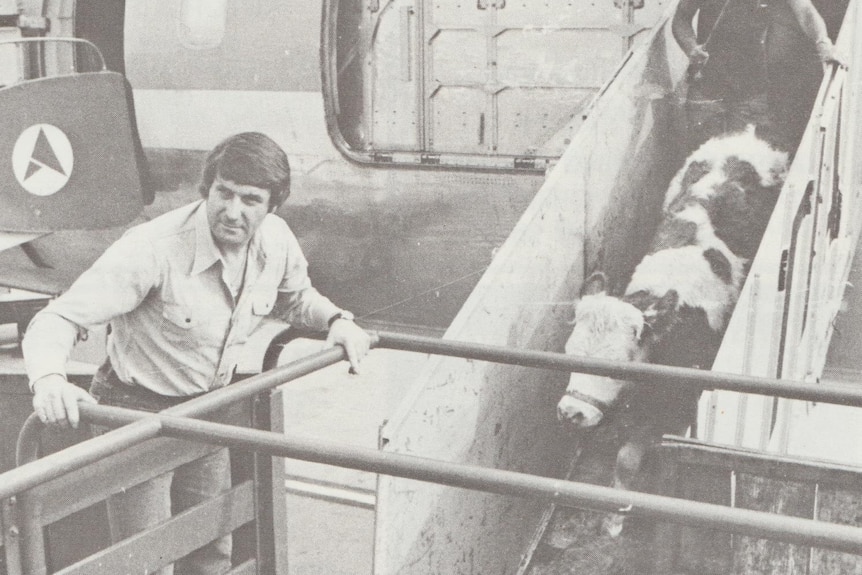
pixel 355 341
pixel 697 57
pixel 55 400
pixel 828 54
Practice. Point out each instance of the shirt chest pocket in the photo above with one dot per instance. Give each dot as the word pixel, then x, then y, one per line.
pixel 178 325
pixel 179 317
pixel 263 301
pixel 186 325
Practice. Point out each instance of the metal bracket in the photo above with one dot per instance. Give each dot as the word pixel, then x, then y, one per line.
pixel 636 4
pixel 34 23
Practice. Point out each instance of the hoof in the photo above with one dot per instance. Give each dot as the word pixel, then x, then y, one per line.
pixel 612 524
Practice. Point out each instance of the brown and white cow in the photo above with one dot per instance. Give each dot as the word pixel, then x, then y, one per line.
pixel 680 297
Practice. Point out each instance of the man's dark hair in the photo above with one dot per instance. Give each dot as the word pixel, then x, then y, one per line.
pixel 249 159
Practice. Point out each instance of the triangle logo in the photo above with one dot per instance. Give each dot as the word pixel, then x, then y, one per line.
pixel 44 155
pixel 42 159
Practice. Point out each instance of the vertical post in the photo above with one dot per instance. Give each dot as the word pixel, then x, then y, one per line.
pixel 32 535
pixel 667 534
pixel 11 537
pixel 270 503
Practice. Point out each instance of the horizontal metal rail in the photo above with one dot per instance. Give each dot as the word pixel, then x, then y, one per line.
pixel 135 427
pixel 641 372
pixel 52 466
pixel 740 521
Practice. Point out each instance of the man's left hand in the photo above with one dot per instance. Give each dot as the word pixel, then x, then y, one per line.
pixel 828 54
pixel 355 341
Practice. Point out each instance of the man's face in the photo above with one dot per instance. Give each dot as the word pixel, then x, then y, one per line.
pixel 235 211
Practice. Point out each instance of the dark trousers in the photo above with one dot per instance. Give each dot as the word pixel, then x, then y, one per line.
pixel 149 503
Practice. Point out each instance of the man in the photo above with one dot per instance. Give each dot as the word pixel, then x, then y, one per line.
pixel 751 62
pixel 181 294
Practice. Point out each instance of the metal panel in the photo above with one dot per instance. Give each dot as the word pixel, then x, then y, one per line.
pixel 457 56
pixel 547 77
pixel 556 58
pixel 497 57
pixel 560 13
pixel 459 122
pixel 529 117
pixel 395 77
pixel 92 180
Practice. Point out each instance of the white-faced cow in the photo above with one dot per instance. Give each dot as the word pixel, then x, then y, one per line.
pixel 676 306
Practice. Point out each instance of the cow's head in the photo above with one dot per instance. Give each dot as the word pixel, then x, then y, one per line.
pixel 606 327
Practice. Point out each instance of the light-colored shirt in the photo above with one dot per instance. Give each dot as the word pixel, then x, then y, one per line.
pixel 175 327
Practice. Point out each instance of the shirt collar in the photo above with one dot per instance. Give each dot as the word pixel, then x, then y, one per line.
pixel 206 251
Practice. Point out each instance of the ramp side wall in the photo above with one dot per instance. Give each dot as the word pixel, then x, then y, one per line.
pixel 596 210
pixel 783 322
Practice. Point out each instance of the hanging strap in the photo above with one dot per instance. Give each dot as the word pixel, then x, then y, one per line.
pixel 715 24
pixel 695 73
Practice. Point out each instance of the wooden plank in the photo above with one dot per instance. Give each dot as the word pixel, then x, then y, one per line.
pixel 759 556
pixel 130 467
pixel 173 539
pixel 844 507
pixel 667 535
pixel 766 482
pixel 741 460
pixel 705 551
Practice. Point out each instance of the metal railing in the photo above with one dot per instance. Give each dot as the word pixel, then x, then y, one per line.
pixel 178 422
pixel 24 59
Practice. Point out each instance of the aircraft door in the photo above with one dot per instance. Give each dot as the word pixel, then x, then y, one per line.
pixel 490 77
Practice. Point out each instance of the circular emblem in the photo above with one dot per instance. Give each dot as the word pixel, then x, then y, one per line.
pixel 42 159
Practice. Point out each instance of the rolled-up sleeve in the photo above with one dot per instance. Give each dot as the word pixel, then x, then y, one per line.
pixel 119 280
pixel 299 303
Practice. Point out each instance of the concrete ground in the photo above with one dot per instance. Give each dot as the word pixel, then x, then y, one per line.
pixel 330 510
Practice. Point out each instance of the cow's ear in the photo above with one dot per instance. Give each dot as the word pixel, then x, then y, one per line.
pixel 595 284
pixel 656 314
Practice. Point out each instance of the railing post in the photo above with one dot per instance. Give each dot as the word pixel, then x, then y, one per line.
pixel 32 535
pixel 270 500
pixel 11 536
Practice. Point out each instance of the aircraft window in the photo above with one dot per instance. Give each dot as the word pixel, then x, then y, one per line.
pixel 202 23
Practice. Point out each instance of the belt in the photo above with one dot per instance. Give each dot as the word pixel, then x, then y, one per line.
pixel 111 390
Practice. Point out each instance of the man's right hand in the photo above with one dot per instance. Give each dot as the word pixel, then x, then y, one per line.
pixel 55 400
pixel 696 61
pixel 697 57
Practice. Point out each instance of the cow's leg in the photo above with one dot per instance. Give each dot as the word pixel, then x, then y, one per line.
pixel 628 465
pixel 629 459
